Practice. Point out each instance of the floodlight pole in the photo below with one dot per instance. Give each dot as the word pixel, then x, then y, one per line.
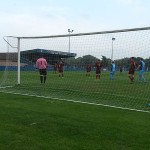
pixel 69 31
pixel 113 39
pixel 18 77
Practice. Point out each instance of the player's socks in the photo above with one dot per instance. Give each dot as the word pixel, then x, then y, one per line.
pixel 41 79
pixel 96 77
pixel 44 79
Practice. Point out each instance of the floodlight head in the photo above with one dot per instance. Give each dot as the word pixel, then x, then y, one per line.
pixel 113 39
pixel 70 31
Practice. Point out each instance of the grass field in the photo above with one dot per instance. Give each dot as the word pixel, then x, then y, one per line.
pixel 30 123
pixel 77 87
pixel 53 122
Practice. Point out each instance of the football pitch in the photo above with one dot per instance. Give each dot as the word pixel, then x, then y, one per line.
pixel 70 113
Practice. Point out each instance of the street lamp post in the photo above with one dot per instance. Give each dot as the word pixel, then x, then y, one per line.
pixel 113 39
pixel 69 31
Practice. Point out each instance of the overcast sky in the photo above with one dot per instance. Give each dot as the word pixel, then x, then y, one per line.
pixel 46 17
pixel 53 17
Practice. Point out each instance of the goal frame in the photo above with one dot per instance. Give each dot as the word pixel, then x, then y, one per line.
pixel 56 36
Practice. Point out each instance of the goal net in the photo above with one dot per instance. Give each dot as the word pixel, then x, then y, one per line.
pixel 81 80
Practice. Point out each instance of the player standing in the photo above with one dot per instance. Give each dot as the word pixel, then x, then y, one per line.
pixel 88 70
pixel 60 68
pixel 55 68
pixel 141 68
pixel 98 66
pixel 132 69
pixel 112 72
pixel 41 64
pixel 120 69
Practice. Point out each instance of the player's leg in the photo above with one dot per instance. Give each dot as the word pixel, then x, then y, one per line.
pixel 96 76
pixel 89 74
pixel 99 75
pixel 41 78
pixel 142 75
pixel 110 75
pixel 59 73
pixel 62 73
pixel 113 73
pixel 44 74
pixel 129 74
pixel 132 78
pixel 41 75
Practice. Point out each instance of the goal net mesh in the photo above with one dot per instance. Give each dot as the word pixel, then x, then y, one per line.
pixel 77 51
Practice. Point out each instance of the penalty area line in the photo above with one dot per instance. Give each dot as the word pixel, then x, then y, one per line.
pixel 81 102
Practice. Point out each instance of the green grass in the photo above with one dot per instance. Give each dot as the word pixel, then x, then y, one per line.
pixel 76 86
pixel 31 123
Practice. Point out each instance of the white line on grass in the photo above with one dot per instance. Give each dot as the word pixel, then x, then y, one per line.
pixel 105 93
pixel 4 87
pixel 82 102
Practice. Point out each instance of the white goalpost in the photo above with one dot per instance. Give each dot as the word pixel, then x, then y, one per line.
pixel 18 67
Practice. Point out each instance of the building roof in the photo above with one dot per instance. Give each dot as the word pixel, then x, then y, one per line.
pixel 32 55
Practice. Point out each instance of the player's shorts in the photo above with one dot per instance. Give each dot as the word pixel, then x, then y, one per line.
pixel 120 70
pixel 98 71
pixel 131 71
pixel 112 72
pixel 60 71
pixel 141 72
pixel 55 69
pixel 88 71
pixel 43 72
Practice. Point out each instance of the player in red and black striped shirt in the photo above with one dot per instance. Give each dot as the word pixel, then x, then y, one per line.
pixel 98 66
pixel 132 68
pixel 60 68
pixel 88 70
pixel 55 68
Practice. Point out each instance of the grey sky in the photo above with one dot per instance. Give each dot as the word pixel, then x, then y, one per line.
pixel 51 17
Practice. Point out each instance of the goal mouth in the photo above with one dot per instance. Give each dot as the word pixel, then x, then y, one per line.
pixel 73 70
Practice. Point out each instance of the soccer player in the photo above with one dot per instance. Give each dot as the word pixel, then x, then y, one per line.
pixel 41 64
pixel 60 68
pixel 132 69
pixel 112 72
pixel 120 69
pixel 98 66
pixel 55 68
pixel 88 70
pixel 141 68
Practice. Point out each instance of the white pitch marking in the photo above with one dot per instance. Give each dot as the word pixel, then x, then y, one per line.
pixel 82 102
